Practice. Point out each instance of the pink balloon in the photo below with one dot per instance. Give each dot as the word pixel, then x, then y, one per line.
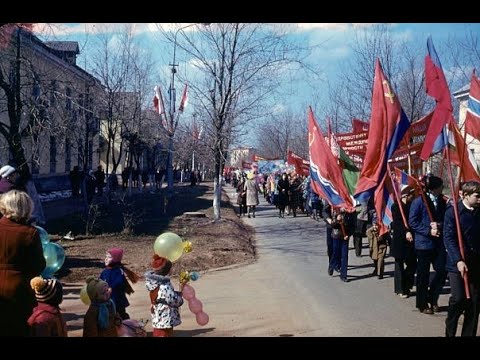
pixel 195 305
pixel 202 318
pixel 188 292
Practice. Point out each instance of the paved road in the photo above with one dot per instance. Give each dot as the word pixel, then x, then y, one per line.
pixel 288 292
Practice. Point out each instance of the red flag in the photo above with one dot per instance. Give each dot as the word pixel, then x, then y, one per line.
pixel 359 125
pixel 159 105
pixel 460 155
pixel 472 119
pixel 184 100
pixel 388 125
pixel 326 175
pixel 302 166
pixel 437 87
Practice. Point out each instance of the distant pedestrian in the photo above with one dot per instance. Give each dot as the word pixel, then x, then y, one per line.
pixel 116 275
pixel 47 319
pixel 100 179
pixel 11 179
pixel 164 299
pixel 75 181
pixel 251 188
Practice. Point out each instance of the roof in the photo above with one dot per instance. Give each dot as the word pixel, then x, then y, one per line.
pixel 70 46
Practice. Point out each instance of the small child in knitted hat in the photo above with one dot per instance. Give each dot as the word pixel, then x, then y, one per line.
pixel 46 319
pixel 164 299
pixel 116 274
pixel 101 318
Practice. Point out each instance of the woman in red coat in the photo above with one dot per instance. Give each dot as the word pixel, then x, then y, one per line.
pixel 21 259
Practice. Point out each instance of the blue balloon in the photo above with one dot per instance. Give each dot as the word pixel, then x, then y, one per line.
pixel 44 237
pixel 54 257
pixel 194 275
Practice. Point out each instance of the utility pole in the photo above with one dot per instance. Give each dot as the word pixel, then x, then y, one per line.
pixel 172 124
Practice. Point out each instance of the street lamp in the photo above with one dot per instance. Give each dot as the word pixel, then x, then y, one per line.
pixel 172 110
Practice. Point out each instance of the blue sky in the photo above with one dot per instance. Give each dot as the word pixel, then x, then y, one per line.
pixel 334 37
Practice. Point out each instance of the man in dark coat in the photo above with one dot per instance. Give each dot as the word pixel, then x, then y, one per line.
pixel 429 243
pixel 458 266
pixel 402 247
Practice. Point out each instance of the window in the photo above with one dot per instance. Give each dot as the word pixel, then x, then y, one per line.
pixel 35 156
pixel 68 100
pixel 68 154
pixel 53 154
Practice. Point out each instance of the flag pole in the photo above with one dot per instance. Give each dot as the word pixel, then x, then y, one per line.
pixel 424 198
pixel 397 197
pixel 457 220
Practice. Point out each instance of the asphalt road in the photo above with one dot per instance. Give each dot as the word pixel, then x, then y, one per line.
pixel 288 292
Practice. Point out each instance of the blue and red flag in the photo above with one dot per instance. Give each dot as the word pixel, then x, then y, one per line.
pixel 388 125
pixel 437 87
pixel 403 178
pixel 324 170
pixel 472 119
pixel 384 199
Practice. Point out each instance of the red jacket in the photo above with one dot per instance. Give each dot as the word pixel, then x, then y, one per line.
pixel 47 320
pixel 21 259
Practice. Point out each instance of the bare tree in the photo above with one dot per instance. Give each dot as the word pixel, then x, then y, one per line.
pixel 283 132
pixel 351 96
pixel 124 70
pixel 240 66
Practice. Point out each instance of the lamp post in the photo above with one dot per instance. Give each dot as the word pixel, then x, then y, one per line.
pixel 172 111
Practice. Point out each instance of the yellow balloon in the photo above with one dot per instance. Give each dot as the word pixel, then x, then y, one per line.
pixel 168 245
pixel 84 295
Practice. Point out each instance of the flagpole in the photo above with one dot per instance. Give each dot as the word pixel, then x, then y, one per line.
pixel 173 121
pixel 457 221
pixel 397 196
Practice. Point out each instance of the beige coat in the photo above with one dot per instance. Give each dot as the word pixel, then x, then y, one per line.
pixel 376 244
pixel 252 189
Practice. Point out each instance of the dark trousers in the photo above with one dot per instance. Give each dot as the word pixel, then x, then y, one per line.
pixel 458 305
pixel 340 257
pixel 425 293
pixel 329 246
pixel 357 237
pixel 400 277
pixel 404 273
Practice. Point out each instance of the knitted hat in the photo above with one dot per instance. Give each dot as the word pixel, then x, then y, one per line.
pixel 158 262
pixel 117 254
pixel 7 170
pixel 93 286
pixel 46 289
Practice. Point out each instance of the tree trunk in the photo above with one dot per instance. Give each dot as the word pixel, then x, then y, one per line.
pixel 217 187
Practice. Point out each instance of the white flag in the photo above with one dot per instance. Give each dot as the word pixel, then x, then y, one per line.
pixel 184 100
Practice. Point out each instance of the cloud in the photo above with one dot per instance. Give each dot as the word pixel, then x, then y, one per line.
pixel 56 29
pixel 322 26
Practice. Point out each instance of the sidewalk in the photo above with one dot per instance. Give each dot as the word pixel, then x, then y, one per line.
pixel 74 310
